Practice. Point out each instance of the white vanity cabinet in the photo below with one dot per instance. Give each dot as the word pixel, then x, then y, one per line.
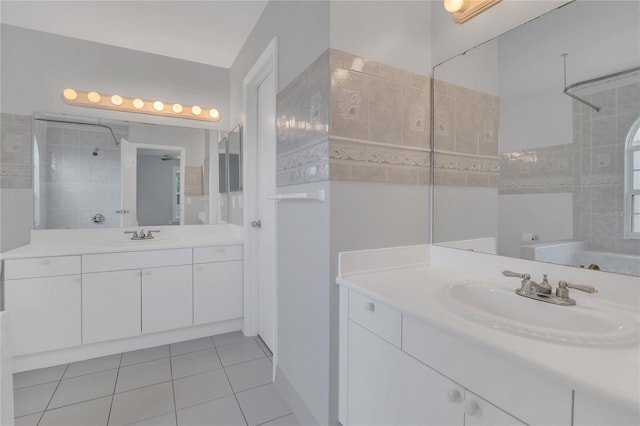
pixel 217 284
pixel 111 305
pixel 42 297
pixel 387 385
pixel 167 298
pixel 150 291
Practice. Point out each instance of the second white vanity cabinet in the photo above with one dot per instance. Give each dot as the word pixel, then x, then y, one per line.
pixel 390 379
pixel 217 293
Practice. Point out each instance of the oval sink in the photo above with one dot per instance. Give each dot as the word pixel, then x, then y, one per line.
pixel 142 243
pixel 588 323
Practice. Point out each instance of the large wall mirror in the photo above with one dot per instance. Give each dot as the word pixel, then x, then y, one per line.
pixel 91 173
pixel 523 169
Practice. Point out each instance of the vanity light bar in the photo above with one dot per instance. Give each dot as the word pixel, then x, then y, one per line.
pixel 141 106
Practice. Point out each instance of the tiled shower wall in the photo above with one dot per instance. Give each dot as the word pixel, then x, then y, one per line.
pixel 16 151
pixel 348 118
pixel 599 139
pixel 74 184
pixel 465 136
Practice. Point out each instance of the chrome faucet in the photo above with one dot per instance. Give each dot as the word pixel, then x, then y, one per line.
pixel 542 291
pixel 141 235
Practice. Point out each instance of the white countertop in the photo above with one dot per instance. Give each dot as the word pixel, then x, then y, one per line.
pixel 89 241
pixel 611 372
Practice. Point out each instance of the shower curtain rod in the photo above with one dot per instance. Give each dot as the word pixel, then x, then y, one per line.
pixel 69 121
pixel 567 89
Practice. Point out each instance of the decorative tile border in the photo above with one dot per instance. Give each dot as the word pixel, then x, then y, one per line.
pixel 459 169
pixel 359 160
pixel 542 170
pixel 309 163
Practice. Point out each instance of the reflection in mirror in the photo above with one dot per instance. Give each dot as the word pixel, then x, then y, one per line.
pixel 523 170
pixel 95 173
pixel 230 177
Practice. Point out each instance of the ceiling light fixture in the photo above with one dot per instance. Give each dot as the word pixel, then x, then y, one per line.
pixel 463 10
pixel 141 106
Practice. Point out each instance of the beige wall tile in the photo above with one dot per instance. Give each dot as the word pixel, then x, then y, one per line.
pixel 416 117
pixel 466 129
pixel 453 178
pixel 340 171
pixel 391 73
pixel 477 179
pixel 418 81
pixel 424 176
pixel 487 121
pixel 374 173
pixel 349 104
pixel 385 111
pixel 444 120
pixel 402 175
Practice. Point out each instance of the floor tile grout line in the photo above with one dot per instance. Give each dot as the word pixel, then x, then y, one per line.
pixel 234 394
pixel 53 394
pixel 173 387
pixel 245 362
pixel 142 387
pixel 277 418
pixel 37 384
pixel 113 394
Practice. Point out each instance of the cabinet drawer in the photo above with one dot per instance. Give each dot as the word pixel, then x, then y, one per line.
pixel 135 260
pixel 376 317
pixel 41 267
pixel 216 254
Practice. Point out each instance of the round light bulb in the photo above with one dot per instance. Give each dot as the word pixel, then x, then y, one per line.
pixel 177 108
pixel 453 5
pixel 137 103
pixel 213 113
pixel 196 110
pixel 158 106
pixel 93 97
pixel 116 100
pixel 70 94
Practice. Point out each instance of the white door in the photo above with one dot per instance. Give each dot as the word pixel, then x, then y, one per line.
pixel 266 137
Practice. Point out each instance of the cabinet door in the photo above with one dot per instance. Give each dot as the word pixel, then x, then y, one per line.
pixel 167 298
pixel 110 305
pixel 479 412
pixel 388 387
pixel 44 313
pixel 217 292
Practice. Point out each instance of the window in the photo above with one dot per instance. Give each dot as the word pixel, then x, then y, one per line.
pixel 632 183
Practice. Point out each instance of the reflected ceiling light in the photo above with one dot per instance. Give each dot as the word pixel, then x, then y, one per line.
pixel 143 106
pixel 463 10
pixel 70 94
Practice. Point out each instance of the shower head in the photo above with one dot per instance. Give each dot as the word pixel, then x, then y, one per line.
pixel 95 151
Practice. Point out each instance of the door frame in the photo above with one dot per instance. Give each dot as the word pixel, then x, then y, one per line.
pixel 264 65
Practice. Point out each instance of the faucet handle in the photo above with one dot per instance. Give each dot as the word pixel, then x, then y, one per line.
pixel 149 235
pixel 134 236
pixel 508 273
pixel 586 288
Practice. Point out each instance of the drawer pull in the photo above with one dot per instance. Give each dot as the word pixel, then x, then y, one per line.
pixel 470 407
pixel 369 307
pixel 453 395
pixel 45 262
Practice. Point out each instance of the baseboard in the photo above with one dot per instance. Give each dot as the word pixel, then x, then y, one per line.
pixel 95 350
pixel 300 409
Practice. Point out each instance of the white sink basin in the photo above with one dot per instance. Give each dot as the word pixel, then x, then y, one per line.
pixel 588 323
pixel 127 241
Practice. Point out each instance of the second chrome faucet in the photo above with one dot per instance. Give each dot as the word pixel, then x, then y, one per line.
pixel 543 291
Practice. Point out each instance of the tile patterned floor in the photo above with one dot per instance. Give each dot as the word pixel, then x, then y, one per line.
pixel 219 380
